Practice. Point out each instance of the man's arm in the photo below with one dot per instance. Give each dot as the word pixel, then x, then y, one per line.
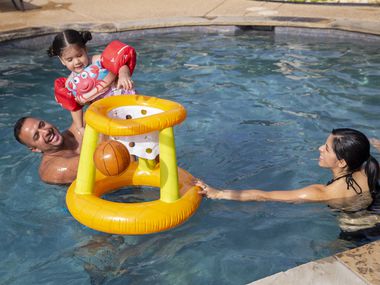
pixel 58 170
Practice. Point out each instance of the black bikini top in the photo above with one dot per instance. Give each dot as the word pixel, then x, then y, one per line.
pixel 350 181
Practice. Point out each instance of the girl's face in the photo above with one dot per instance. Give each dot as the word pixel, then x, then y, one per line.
pixel 327 156
pixel 74 58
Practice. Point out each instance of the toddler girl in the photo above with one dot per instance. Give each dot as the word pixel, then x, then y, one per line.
pixel 109 74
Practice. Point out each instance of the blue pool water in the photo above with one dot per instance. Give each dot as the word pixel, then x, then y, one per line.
pixel 259 105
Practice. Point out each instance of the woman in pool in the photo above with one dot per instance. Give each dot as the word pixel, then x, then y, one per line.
pixel 353 187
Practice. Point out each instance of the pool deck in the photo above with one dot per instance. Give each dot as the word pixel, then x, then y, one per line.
pixel 41 17
pixel 46 17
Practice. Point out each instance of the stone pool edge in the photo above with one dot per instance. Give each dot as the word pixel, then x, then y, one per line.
pixel 358 266
pixel 370 28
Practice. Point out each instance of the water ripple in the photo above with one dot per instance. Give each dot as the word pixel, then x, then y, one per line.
pixel 257 106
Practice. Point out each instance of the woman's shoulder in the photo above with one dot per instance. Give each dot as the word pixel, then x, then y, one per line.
pixel 351 194
pixel 359 183
pixel 339 197
pixel 349 185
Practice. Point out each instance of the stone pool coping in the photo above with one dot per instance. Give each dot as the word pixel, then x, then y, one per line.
pixel 43 17
pixel 358 266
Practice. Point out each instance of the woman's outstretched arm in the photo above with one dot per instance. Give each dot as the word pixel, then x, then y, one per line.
pixel 311 193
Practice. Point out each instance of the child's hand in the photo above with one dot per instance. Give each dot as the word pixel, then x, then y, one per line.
pixel 80 131
pixel 126 84
pixel 80 100
pixel 125 81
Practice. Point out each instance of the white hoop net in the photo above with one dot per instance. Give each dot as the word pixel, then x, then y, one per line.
pixel 145 145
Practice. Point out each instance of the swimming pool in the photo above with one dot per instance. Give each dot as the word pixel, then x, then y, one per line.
pixel 259 105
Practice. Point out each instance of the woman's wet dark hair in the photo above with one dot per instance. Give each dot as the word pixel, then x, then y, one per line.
pixel 354 147
pixel 66 38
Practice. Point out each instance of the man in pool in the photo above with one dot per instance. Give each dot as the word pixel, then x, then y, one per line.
pixel 60 151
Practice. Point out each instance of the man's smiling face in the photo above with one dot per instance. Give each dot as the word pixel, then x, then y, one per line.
pixel 40 136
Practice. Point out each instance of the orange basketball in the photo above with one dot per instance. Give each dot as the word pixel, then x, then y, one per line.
pixel 111 158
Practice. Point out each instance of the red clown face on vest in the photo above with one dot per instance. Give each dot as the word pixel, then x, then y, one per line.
pixel 91 77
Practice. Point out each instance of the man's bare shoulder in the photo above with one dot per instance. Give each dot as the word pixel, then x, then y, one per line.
pixel 59 168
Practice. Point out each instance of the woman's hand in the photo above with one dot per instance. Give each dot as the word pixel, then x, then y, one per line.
pixel 207 191
pixel 125 81
pixel 375 143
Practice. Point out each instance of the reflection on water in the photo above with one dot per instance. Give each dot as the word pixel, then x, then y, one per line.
pixel 133 194
pixel 258 108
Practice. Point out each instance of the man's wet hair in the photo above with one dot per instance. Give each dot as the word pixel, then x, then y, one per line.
pixel 17 129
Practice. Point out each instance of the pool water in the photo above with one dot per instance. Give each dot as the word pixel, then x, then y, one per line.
pixel 259 105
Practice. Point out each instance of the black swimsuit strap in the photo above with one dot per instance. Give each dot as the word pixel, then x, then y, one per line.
pixel 350 181
pixel 335 179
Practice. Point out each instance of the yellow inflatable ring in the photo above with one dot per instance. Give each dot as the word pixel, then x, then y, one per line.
pixel 179 198
pixel 133 218
pixel 97 115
